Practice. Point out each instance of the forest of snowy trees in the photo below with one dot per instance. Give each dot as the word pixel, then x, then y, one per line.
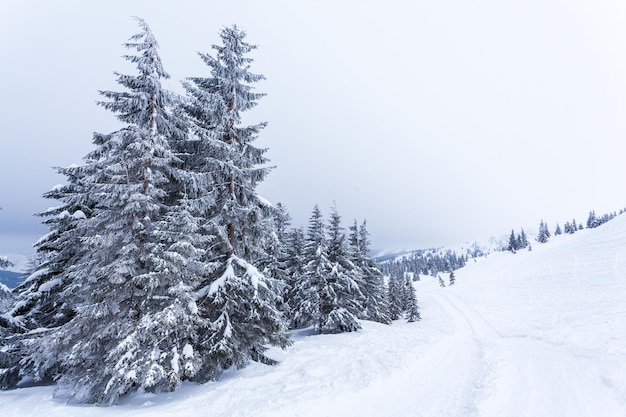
pixel 163 264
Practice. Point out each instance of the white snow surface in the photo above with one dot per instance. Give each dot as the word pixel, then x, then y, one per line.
pixel 20 262
pixel 539 333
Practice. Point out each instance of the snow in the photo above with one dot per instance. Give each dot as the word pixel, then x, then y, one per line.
pixel 264 201
pixel 228 274
pixel 49 285
pixel 187 351
pixel 174 362
pixel 536 333
pixel 20 262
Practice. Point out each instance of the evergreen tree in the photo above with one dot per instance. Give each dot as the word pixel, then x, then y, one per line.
pixel 395 294
pixel 452 278
pixel 592 221
pixel 544 234
pixel 39 302
pixel 308 295
pixel 411 305
pixel 567 228
pixel 295 249
pixel 513 243
pixel 522 240
pixel 276 265
pixel 558 230
pixel 241 301
pixel 133 325
pixel 373 283
pixel 343 299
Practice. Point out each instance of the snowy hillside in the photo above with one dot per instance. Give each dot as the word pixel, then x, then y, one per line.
pixel 11 276
pixel 539 333
pixel 19 262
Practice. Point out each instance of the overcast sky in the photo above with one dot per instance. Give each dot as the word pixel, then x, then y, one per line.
pixel 440 122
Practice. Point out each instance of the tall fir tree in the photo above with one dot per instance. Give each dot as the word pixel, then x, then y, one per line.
pixel 412 311
pixel 295 249
pixel 134 324
pixel 513 242
pixel 308 294
pixel 544 233
pixel 558 230
pixel 39 302
pixel 395 294
pixel 240 300
pixel 344 301
pixel 376 306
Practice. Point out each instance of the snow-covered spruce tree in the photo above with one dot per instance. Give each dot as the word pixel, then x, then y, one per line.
pixel 523 240
pixel 342 299
pixel 240 301
pixel 452 278
pixel 327 295
pixel 544 233
pixel 39 301
pixel 376 306
pixel 412 311
pixel 295 273
pixel 307 296
pixel 513 244
pixel 558 230
pixel 136 323
pixel 592 220
pixel 276 264
pixel 395 293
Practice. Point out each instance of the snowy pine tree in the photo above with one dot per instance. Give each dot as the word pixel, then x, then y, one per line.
pixel 513 243
pixel 412 311
pixel 328 295
pixel 239 299
pixel 395 294
pixel 342 303
pixel 40 303
pixel 295 275
pixel 136 323
pixel 544 233
pixel 376 306
pixel 558 230
pixel 308 294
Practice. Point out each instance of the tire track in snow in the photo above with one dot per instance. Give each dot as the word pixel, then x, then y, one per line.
pixel 528 377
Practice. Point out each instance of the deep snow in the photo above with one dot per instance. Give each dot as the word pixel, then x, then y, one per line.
pixel 539 333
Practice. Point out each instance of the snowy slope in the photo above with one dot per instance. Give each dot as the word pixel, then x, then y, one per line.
pixel 540 333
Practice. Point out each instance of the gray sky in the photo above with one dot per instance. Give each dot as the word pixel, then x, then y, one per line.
pixel 440 122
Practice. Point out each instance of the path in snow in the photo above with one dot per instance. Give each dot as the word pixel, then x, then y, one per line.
pixel 524 376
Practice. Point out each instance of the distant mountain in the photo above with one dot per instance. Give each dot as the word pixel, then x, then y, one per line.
pixel 11 279
pixel 13 275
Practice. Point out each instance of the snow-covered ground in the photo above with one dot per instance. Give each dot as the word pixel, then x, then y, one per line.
pixel 539 333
